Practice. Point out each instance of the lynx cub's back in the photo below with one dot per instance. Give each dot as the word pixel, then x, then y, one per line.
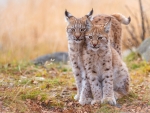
pixel 116 29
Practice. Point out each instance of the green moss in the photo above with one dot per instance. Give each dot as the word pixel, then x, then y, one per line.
pixel 25 81
pixel 55 82
pixel 64 69
pixel 128 98
pixel 149 103
pixel 131 57
pixel 135 66
pixel 105 108
pixel 134 61
pixel 33 95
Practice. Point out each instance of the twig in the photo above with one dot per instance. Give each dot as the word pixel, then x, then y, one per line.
pixel 131 31
pixel 132 34
pixel 142 21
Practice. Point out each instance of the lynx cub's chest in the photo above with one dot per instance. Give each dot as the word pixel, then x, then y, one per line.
pixel 97 62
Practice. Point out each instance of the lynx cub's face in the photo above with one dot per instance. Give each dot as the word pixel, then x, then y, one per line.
pixel 76 27
pixel 97 36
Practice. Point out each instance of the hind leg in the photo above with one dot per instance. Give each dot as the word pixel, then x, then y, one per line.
pixel 117 95
pixel 121 81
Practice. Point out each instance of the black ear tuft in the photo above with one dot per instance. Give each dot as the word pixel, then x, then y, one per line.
pixel 91 12
pixel 66 13
pixel 89 15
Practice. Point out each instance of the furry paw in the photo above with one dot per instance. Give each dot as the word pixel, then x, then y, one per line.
pixel 117 95
pixel 85 101
pixel 76 97
pixel 110 100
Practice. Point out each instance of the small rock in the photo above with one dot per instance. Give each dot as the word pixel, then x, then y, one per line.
pixel 146 55
pixel 144 49
pixel 56 57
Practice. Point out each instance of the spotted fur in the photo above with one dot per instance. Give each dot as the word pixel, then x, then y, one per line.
pixel 116 29
pixel 78 50
pixel 76 33
pixel 106 73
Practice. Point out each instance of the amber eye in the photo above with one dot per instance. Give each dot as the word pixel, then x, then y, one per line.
pixel 100 38
pixel 73 29
pixel 82 30
pixel 90 37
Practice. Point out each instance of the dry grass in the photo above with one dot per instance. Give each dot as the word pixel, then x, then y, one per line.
pixel 29 28
pixel 26 88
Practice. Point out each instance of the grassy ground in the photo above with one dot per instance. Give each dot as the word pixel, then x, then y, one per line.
pixel 26 88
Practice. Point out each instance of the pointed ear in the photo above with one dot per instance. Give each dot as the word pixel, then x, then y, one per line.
pixel 67 15
pixel 89 24
pixel 89 15
pixel 107 26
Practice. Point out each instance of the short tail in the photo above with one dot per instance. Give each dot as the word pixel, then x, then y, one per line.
pixel 121 18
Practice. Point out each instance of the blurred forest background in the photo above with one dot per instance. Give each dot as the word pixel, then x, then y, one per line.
pixel 30 28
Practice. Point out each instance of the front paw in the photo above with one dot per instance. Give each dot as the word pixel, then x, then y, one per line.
pixel 117 95
pixel 95 102
pixel 85 101
pixel 110 100
pixel 76 97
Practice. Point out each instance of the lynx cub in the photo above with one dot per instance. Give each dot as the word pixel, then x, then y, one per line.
pixel 105 71
pixel 76 33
